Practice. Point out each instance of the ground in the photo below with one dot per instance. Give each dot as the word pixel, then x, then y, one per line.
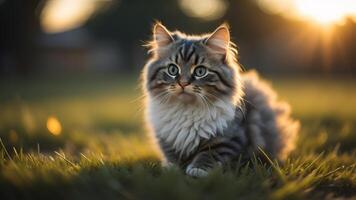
pixel 98 148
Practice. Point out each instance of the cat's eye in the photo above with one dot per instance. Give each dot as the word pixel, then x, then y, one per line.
pixel 173 70
pixel 200 71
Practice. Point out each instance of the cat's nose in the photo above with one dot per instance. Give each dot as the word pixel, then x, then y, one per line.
pixel 183 84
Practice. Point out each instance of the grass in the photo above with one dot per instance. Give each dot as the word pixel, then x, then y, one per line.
pixel 102 151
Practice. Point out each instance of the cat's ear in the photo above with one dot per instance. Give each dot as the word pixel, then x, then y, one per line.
pixel 219 40
pixel 161 35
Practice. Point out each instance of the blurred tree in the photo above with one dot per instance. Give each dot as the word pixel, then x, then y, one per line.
pixel 129 23
pixel 269 43
pixel 19 26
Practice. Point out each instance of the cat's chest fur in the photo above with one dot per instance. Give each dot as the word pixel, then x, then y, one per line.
pixel 183 126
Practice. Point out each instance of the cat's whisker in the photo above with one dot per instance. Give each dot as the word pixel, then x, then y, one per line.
pixel 162 98
pixel 139 98
pixel 215 97
pixel 243 99
pixel 204 100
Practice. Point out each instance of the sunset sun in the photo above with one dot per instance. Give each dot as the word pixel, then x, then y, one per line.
pixel 323 12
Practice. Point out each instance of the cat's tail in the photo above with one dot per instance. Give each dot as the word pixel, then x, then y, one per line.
pixel 270 125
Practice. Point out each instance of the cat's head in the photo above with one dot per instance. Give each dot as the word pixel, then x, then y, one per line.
pixel 192 69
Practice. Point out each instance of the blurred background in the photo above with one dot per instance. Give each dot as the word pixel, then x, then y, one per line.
pixel 105 36
pixel 70 68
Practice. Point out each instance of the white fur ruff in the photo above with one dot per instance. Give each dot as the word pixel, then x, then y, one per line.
pixel 183 126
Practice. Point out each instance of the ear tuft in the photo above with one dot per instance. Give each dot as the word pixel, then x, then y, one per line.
pixel 161 35
pixel 219 40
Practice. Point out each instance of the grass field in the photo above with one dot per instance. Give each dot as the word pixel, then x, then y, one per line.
pixel 84 139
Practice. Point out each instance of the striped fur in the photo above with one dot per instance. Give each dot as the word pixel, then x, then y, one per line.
pixel 200 122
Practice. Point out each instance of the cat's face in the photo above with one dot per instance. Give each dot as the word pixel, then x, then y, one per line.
pixel 191 70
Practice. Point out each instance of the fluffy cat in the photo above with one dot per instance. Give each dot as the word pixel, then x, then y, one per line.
pixel 202 110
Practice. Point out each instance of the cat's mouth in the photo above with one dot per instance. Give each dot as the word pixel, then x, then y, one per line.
pixel 186 97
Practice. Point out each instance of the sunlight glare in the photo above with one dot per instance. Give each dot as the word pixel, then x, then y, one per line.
pixel 54 126
pixel 323 12
pixel 13 137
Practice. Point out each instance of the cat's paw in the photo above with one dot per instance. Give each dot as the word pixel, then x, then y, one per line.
pixel 196 172
pixel 168 165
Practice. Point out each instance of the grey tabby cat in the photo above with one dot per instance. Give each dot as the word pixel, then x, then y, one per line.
pixel 203 111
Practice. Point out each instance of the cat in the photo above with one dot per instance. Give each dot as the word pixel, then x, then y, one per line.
pixel 203 110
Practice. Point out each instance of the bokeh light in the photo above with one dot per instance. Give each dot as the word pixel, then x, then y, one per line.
pixel 323 12
pixel 204 9
pixel 62 15
pixel 13 137
pixel 54 126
